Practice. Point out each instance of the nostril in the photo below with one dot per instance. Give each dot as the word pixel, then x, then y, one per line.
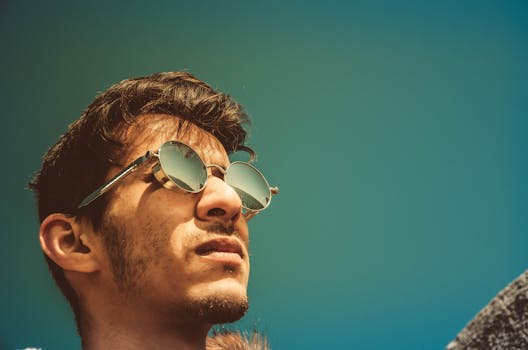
pixel 216 212
pixel 235 217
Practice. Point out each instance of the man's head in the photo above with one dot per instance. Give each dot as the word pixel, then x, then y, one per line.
pixel 141 244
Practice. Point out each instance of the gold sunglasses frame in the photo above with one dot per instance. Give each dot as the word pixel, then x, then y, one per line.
pixel 166 182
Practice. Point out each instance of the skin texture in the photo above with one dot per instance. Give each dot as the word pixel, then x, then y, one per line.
pixel 141 282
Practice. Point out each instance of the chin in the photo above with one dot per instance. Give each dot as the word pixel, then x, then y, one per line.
pixel 229 290
pixel 229 286
pixel 220 301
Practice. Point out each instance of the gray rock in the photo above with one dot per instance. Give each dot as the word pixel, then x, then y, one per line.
pixel 502 324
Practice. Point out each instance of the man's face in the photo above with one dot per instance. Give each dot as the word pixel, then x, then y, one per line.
pixel 174 252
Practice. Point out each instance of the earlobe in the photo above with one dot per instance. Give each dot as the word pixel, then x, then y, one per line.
pixel 63 241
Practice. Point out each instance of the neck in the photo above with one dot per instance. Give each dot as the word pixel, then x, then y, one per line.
pixel 130 330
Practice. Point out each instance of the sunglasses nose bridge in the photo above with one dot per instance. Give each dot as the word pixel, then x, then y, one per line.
pixel 216 166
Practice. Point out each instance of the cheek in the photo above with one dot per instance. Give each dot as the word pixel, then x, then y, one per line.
pixel 154 218
pixel 165 231
pixel 148 204
pixel 168 205
pixel 179 245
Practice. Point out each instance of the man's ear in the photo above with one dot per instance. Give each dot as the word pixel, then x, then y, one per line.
pixel 62 239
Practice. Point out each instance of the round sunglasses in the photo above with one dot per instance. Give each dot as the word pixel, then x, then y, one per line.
pixel 179 167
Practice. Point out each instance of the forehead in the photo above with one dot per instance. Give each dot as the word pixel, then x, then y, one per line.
pixel 149 132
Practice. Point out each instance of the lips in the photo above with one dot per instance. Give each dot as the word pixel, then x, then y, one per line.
pixel 220 246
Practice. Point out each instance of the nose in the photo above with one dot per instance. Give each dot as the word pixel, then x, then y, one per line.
pixel 219 203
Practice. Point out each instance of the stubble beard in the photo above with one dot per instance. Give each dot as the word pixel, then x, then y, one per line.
pixel 213 309
pixel 128 269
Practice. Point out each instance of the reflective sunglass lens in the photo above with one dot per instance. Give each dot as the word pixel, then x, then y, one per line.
pixel 183 166
pixel 249 184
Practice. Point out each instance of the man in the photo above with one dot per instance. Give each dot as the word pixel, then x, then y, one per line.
pixel 144 220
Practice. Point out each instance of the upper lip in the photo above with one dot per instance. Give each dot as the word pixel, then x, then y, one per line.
pixel 221 245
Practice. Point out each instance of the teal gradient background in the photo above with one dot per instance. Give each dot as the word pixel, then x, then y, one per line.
pixel 396 131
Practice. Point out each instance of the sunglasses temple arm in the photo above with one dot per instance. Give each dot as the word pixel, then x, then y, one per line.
pixel 113 181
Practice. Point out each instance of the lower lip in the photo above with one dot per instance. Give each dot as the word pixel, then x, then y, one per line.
pixel 224 257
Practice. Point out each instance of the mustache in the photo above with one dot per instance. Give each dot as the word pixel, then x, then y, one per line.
pixel 210 230
pixel 221 229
